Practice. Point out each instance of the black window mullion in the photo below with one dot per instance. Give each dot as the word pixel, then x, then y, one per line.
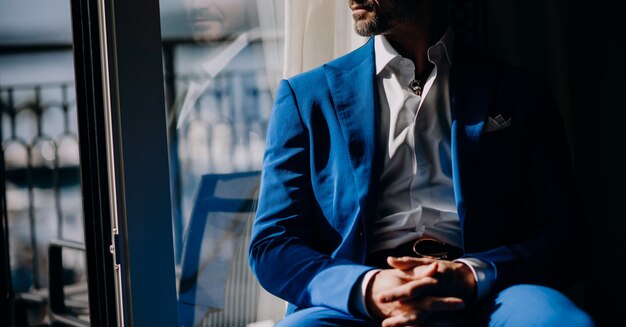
pixel 93 162
pixel 144 247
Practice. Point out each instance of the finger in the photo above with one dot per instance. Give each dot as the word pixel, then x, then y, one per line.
pixel 410 290
pixel 434 303
pixel 404 320
pixel 425 271
pixel 421 271
pixel 404 263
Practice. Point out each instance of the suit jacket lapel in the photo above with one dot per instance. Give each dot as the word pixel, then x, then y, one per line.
pixel 351 82
pixel 472 81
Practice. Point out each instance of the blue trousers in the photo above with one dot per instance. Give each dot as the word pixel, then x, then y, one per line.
pixel 519 305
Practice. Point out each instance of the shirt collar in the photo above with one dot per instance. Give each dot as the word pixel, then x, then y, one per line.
pixel 385 53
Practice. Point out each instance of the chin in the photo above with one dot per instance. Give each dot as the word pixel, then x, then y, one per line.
pixel 365 28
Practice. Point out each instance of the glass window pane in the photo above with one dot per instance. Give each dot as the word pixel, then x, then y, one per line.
pixel 222 60
pixel 40 160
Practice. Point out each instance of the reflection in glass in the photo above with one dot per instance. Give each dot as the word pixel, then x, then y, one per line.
pixel 214 20
pixel 222 59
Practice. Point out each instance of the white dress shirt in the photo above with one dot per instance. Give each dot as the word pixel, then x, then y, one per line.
pixel 416 191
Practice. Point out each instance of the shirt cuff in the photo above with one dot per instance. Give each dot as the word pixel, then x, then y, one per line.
pixel 485 274
pixel 357 298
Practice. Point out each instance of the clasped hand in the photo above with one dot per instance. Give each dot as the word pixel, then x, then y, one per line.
pixel 414 288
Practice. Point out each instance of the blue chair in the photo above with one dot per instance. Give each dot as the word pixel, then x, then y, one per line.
pixel 215 279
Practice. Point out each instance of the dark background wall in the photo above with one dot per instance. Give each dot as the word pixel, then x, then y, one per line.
pixel 580 51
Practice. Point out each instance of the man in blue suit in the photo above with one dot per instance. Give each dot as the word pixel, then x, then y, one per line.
pixel 416 182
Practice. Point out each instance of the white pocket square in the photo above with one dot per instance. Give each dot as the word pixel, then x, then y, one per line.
pixel 498 123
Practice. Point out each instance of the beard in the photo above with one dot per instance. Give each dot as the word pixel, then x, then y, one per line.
pixel 370 26
pixel 380 20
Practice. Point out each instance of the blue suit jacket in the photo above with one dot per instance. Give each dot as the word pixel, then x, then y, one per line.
pixel 514 187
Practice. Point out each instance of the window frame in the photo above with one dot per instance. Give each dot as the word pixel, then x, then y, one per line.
pixel 124 162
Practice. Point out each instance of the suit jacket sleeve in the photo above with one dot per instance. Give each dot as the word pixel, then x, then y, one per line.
pixel 282 251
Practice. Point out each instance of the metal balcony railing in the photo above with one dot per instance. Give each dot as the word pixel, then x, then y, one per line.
pixel 40 152
pixel 223 132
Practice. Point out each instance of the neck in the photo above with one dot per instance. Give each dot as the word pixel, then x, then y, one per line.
pixel 414 36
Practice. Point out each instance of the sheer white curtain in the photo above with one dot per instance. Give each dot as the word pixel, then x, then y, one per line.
pixel 317 31
pixel 272 23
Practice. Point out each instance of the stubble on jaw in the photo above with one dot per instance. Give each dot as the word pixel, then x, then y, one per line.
pixel 380 19
pixel 370 24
